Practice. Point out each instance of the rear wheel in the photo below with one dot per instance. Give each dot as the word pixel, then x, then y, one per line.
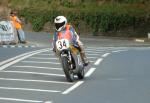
pixel 68 72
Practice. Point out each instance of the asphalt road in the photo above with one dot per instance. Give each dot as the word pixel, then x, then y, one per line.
pixel 117 74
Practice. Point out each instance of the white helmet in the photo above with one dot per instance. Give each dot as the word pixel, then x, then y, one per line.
pixel 60 23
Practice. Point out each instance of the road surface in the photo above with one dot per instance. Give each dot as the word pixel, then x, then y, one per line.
pixel 118 73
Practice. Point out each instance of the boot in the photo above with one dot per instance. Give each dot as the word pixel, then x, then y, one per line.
pixel 84 59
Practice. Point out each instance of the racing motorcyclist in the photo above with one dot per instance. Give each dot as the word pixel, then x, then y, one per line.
pixel 64 30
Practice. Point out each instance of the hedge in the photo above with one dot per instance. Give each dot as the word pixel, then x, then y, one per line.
pixel 108 18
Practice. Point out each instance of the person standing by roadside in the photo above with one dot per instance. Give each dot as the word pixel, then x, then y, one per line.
pixel 18 25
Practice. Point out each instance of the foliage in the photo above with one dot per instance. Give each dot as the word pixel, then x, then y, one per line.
pixel 133 1
pixel 66 3
pixel 38 18
pixel 100 18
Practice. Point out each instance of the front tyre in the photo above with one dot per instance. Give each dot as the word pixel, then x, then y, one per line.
pixel 81 73
pixel 66 67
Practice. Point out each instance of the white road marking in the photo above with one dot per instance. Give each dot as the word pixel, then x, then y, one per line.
pixel 19 46
pixel 79 82
pixel 16 57
pixel 29 89
pixel 73 87
pixel 25 72
pixel 97 47
pixel 93 54
pixel 33 46
pixel 101 49
pixel 105 55
pixel 98 61
pixel 40 62
pixel 40 81
pixel 46 54
pixel 48 68
pixel 43 58
pixel 90 72
pixel 139 40
pixel 104 48
pixel 95 50
pixel 118 51
pixel 19 58
pixel 48 102
pixel 26 46
pixel 5 46
pixel 91 57
pixel 20 100
pixel 12 46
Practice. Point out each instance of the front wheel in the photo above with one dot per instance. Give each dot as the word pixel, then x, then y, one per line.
pixel 66 67
pixel 81 73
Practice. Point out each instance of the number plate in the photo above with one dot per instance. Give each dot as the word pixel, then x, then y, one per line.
pixel 62 44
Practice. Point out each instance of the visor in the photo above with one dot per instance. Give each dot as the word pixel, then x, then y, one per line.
pixel 59 25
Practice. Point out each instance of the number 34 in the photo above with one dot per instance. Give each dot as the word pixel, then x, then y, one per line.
pixel 62 44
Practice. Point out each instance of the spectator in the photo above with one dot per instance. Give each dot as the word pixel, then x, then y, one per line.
pixel 18 25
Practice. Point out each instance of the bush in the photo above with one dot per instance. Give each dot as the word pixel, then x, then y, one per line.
pixel 38 18
pixel 66 3
pixel 132 1
pixel 105 18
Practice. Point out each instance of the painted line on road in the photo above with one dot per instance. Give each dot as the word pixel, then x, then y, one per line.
pixel 13 46
pixel 91 61
pixel 30 67
pixel 139 40
pixel 96 52
pixel 117 51
pixel 19 56
pixel 73 87
pixel 39 81
pixel 29 89
pixel 16 59
pixel 93 54
pixel 25 46
pixel 18 46
pixel 44 58
pixel 39 62
pixel 98 61
pixel 90 72
pixel 46 54
pixel 25 72
pixel 91 57
pixel 5 46
pixel 92 49
pixel 79 82
pixel 105 55
pixel 100 49
pixel 20 100
pixel 87 74
pixel 48 102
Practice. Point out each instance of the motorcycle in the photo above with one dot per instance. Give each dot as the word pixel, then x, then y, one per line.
pixel 70 60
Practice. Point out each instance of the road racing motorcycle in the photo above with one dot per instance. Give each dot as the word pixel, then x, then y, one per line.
pixel 70 60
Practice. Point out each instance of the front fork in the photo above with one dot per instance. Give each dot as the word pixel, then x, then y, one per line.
pixel 70 60
pixel 68 55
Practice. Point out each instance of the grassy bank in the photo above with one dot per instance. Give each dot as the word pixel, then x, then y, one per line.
pixel 99 16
